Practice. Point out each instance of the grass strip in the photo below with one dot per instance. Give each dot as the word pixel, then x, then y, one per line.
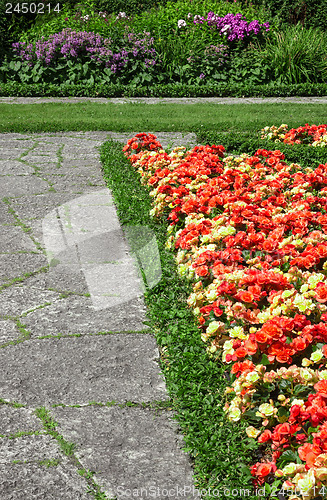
pixel 161 117
pixel 195 383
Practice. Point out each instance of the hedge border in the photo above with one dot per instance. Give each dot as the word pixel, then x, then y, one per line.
pixel 16 89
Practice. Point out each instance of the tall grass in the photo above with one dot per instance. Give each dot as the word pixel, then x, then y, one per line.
pixel 297 55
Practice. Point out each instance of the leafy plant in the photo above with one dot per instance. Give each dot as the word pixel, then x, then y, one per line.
pixel 290 54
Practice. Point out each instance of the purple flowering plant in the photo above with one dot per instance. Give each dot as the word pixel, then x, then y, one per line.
pixel 86 56
pixel 233 27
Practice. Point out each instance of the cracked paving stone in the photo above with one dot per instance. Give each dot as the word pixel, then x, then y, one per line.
pixel 128 448
pixel 75 183
pixel 61 279
pixel 31 448
pixel 38 206
pixel 14 167
pixel 8 331
pixel 16 265
pixel 13 420
pixel 76 315
pixel 14 239
pixel 15 185
pixel 79 370
pixel 18 299
pixel 6 218
pixel 31 477
pixel 29 481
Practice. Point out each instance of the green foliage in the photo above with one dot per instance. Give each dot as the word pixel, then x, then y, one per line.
pixel 11 24
pixel 247 65
pixel 290 53
pixel 71 16
pixel 16 89
pixel 310 13
pixel 127 6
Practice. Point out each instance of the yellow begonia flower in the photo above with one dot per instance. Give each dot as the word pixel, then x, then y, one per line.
pixel 307 483
pixel 252 432
pixel 252 377
pixel 234 415
pixel 317 356
pixel 266 409
pixel 213 327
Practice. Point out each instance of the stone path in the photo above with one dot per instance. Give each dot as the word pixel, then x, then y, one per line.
pixel 84 411
pixel 167 100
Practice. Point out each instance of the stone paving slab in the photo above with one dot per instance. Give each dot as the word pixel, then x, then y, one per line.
pixel 14 239
pixel 16 185
pixel 32 448
pixel 38 206
pixel 15 265
pixel 60 278
pixel 13 420
pixel 14 167
pixel 18 299
pixel 165 100
pixel 77 315
pixel 128 448
pixel 79 370
pixel 8 332
pixel 29 481
pixel 6 218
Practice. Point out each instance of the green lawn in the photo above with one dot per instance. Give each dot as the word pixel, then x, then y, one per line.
pixel 155 117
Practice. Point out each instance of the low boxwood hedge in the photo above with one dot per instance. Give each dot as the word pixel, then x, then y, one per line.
pixel 15 89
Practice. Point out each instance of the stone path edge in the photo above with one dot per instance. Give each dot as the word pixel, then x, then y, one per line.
pixel 166 100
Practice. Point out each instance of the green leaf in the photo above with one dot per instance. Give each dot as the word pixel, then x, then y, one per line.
pixel 264 360
pixel 283 412
pixel 290 456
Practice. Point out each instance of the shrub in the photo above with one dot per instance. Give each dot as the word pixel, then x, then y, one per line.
pixel 291 52
pixel 71 56
pixel 310 13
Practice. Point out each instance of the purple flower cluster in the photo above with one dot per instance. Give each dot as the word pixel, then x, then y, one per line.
pixel 218 52
pixel 81 46
pixel 233 26
pixel 142 47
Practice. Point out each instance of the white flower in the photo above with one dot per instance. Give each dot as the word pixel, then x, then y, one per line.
pixel 317 356
pixel 314 279
pixel 307 483
pixel 266 409
pixel 290 468
pixel 252 431
pixel 252 377
pixel 181 23
pixel 234 415
pixel 298 402
pixel 214 326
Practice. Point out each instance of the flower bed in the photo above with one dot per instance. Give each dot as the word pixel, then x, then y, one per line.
pixel 312 135
pixel 251 232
